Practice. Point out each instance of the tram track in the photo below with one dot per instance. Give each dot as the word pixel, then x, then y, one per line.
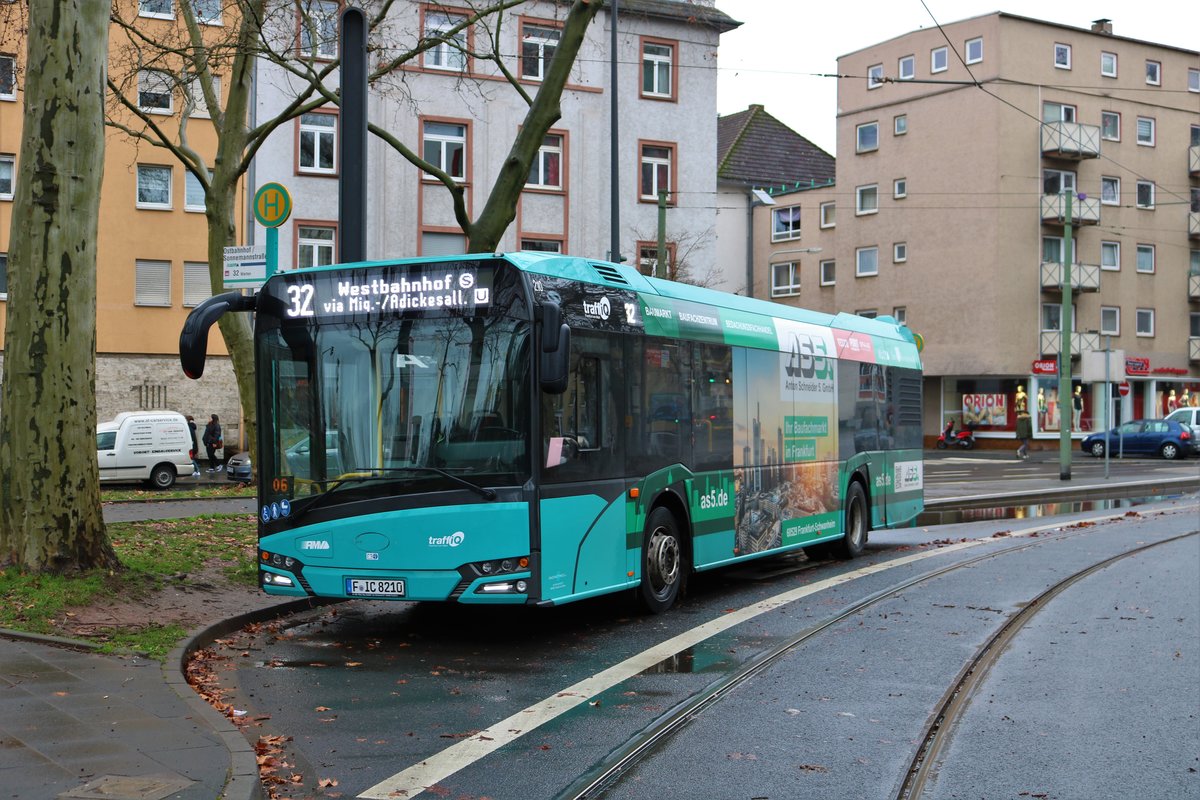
pixel 607 774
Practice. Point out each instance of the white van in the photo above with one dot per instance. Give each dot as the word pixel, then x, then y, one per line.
pixel 151 446
pixel 1188 415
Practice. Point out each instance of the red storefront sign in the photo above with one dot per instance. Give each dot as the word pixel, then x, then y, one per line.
pixel 1137 366
pixel 1046 366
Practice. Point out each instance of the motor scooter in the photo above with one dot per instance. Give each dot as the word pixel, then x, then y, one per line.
pixel 964 438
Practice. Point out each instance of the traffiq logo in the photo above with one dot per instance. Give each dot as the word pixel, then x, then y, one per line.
pixel 453 540
pixel 600 309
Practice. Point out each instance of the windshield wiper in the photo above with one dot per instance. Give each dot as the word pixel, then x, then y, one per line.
pixel 377 472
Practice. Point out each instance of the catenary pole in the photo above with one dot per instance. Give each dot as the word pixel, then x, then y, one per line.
pixel 1064 353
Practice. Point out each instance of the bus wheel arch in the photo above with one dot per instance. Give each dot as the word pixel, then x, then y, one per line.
pixel 857 519
pixel 665 557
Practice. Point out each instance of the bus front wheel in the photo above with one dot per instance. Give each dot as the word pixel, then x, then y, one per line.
pixel 858 522
pixel 662 561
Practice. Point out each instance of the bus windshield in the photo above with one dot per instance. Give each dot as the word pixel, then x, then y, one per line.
pixel 395 405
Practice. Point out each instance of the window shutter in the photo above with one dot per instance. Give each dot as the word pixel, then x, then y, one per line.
pixel 152 283
pixel 196 286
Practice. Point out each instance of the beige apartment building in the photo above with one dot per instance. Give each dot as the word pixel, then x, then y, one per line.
pixel 152 262
pixel 957 153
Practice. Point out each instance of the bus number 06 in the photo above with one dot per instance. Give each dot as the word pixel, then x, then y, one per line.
pixel 301 298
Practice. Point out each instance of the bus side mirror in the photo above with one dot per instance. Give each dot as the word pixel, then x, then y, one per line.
pixel 193 339
pixel 556 363
pixel 551 319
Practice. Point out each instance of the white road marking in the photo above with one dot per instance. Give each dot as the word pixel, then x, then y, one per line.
pixel 419 777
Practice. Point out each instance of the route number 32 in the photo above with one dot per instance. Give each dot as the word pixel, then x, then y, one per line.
pixel 300 299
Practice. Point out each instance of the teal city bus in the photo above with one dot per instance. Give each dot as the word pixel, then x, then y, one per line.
pixel 537 428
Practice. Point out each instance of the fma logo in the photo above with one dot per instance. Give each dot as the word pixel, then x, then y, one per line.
pixel 809 358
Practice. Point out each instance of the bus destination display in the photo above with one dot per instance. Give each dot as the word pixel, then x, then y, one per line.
pixel 452 286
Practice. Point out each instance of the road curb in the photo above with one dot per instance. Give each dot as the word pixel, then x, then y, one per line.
pixel 1066 493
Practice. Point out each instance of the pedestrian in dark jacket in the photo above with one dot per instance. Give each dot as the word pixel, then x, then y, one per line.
pixel 213 442
pixel 195 447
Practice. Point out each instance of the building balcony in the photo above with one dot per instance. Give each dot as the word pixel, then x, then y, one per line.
pixel 1194 160
pixel 1194 348
pixel 1194 286
pixel 1083 212
pixel 1084 277
pixel 1070 140
pixel 1051 341
pixel 1193 225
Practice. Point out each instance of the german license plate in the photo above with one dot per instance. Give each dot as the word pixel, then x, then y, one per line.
pixel 374 587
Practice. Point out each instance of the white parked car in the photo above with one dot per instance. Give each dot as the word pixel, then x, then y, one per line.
pixel 151 446
pixel 1189 415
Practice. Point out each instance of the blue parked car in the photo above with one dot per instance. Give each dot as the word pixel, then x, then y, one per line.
pixel 1146 437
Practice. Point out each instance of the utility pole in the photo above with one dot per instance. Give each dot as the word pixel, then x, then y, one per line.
pixel 1067 419
pixel 660 269
pixel 614 247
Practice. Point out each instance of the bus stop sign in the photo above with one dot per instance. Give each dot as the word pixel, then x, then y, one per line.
pixel 272 205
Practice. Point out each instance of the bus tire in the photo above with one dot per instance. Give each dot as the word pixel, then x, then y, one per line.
pixel 858 523
pixel 662 561
pixel 162 476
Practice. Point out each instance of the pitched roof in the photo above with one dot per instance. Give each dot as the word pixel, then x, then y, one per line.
pixel 756 149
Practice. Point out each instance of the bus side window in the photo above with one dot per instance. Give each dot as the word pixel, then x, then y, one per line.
pixel 659 417
pixel 579 426
pixel 712 405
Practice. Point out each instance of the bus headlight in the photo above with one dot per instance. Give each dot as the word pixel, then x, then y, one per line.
pixel 503 587
pixel 503 566
pixel 278 561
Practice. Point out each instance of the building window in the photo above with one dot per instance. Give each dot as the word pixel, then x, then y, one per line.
pixel 1193 322
pixel 866 313
pixel 785 279
pixel 1145 131
pixel 1193 80
pixel 1196 136
pixel 938 60
pixel 154 92
pixel 648 260
pixel 656 161
pixel 1052 320
pixel 1154 73
pixel 546 170
pixel 1062 56
pixel 319 28
pixel 152 283
pixel 538 45
pixel 828 273
pixel 197 287
pixel 1108 65
pixel 866 262
pixel 828 214
pixel 208 12
pixel 785 223
pixel 1110 125
pixel 1110 321
pixel 867 137
pixel 906 68
pixel 195 94
pixel 1145 194
pixel 1057 112
pixel 435 243
pixel 900 188
pixel 900 314
pixel 1052 250
pixel 1145 258
pixel 899 252
pixel 159 9
pixel 542 245
pixel 8 78
pixel 1057 181
pixel 1110 256
pixel 153 186
pixel 1145 322
pixel 450 52
pixel 1110 191
pixel 866 200
pixel 900 125
pixel 318 142
pixel 658 69
pixel 444 146
pixel 874 76
pixel 193 193
pixel 314 246
pixel 8 171
pixel 974 50
pixel 3 275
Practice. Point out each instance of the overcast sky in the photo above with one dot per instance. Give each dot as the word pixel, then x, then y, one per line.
pixel 770 59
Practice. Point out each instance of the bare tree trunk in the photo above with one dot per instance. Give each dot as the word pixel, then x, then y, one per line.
pixel 50 516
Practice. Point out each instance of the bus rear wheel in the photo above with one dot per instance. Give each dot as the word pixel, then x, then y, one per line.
pixel 858 523
pixel 662 562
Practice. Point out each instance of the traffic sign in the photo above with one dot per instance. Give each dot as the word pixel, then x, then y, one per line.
pixel 272 205
pixel 245 266
pixel 1123 389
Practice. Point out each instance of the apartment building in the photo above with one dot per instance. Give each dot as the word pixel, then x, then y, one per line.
pixel 152 262
pixel 959 149
pixel 458 112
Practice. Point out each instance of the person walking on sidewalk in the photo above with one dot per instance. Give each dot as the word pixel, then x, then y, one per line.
pixel 1024 422
pixel 213 442
pixel 191 421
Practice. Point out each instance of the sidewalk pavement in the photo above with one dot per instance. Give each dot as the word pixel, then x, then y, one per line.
pixel 78 724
